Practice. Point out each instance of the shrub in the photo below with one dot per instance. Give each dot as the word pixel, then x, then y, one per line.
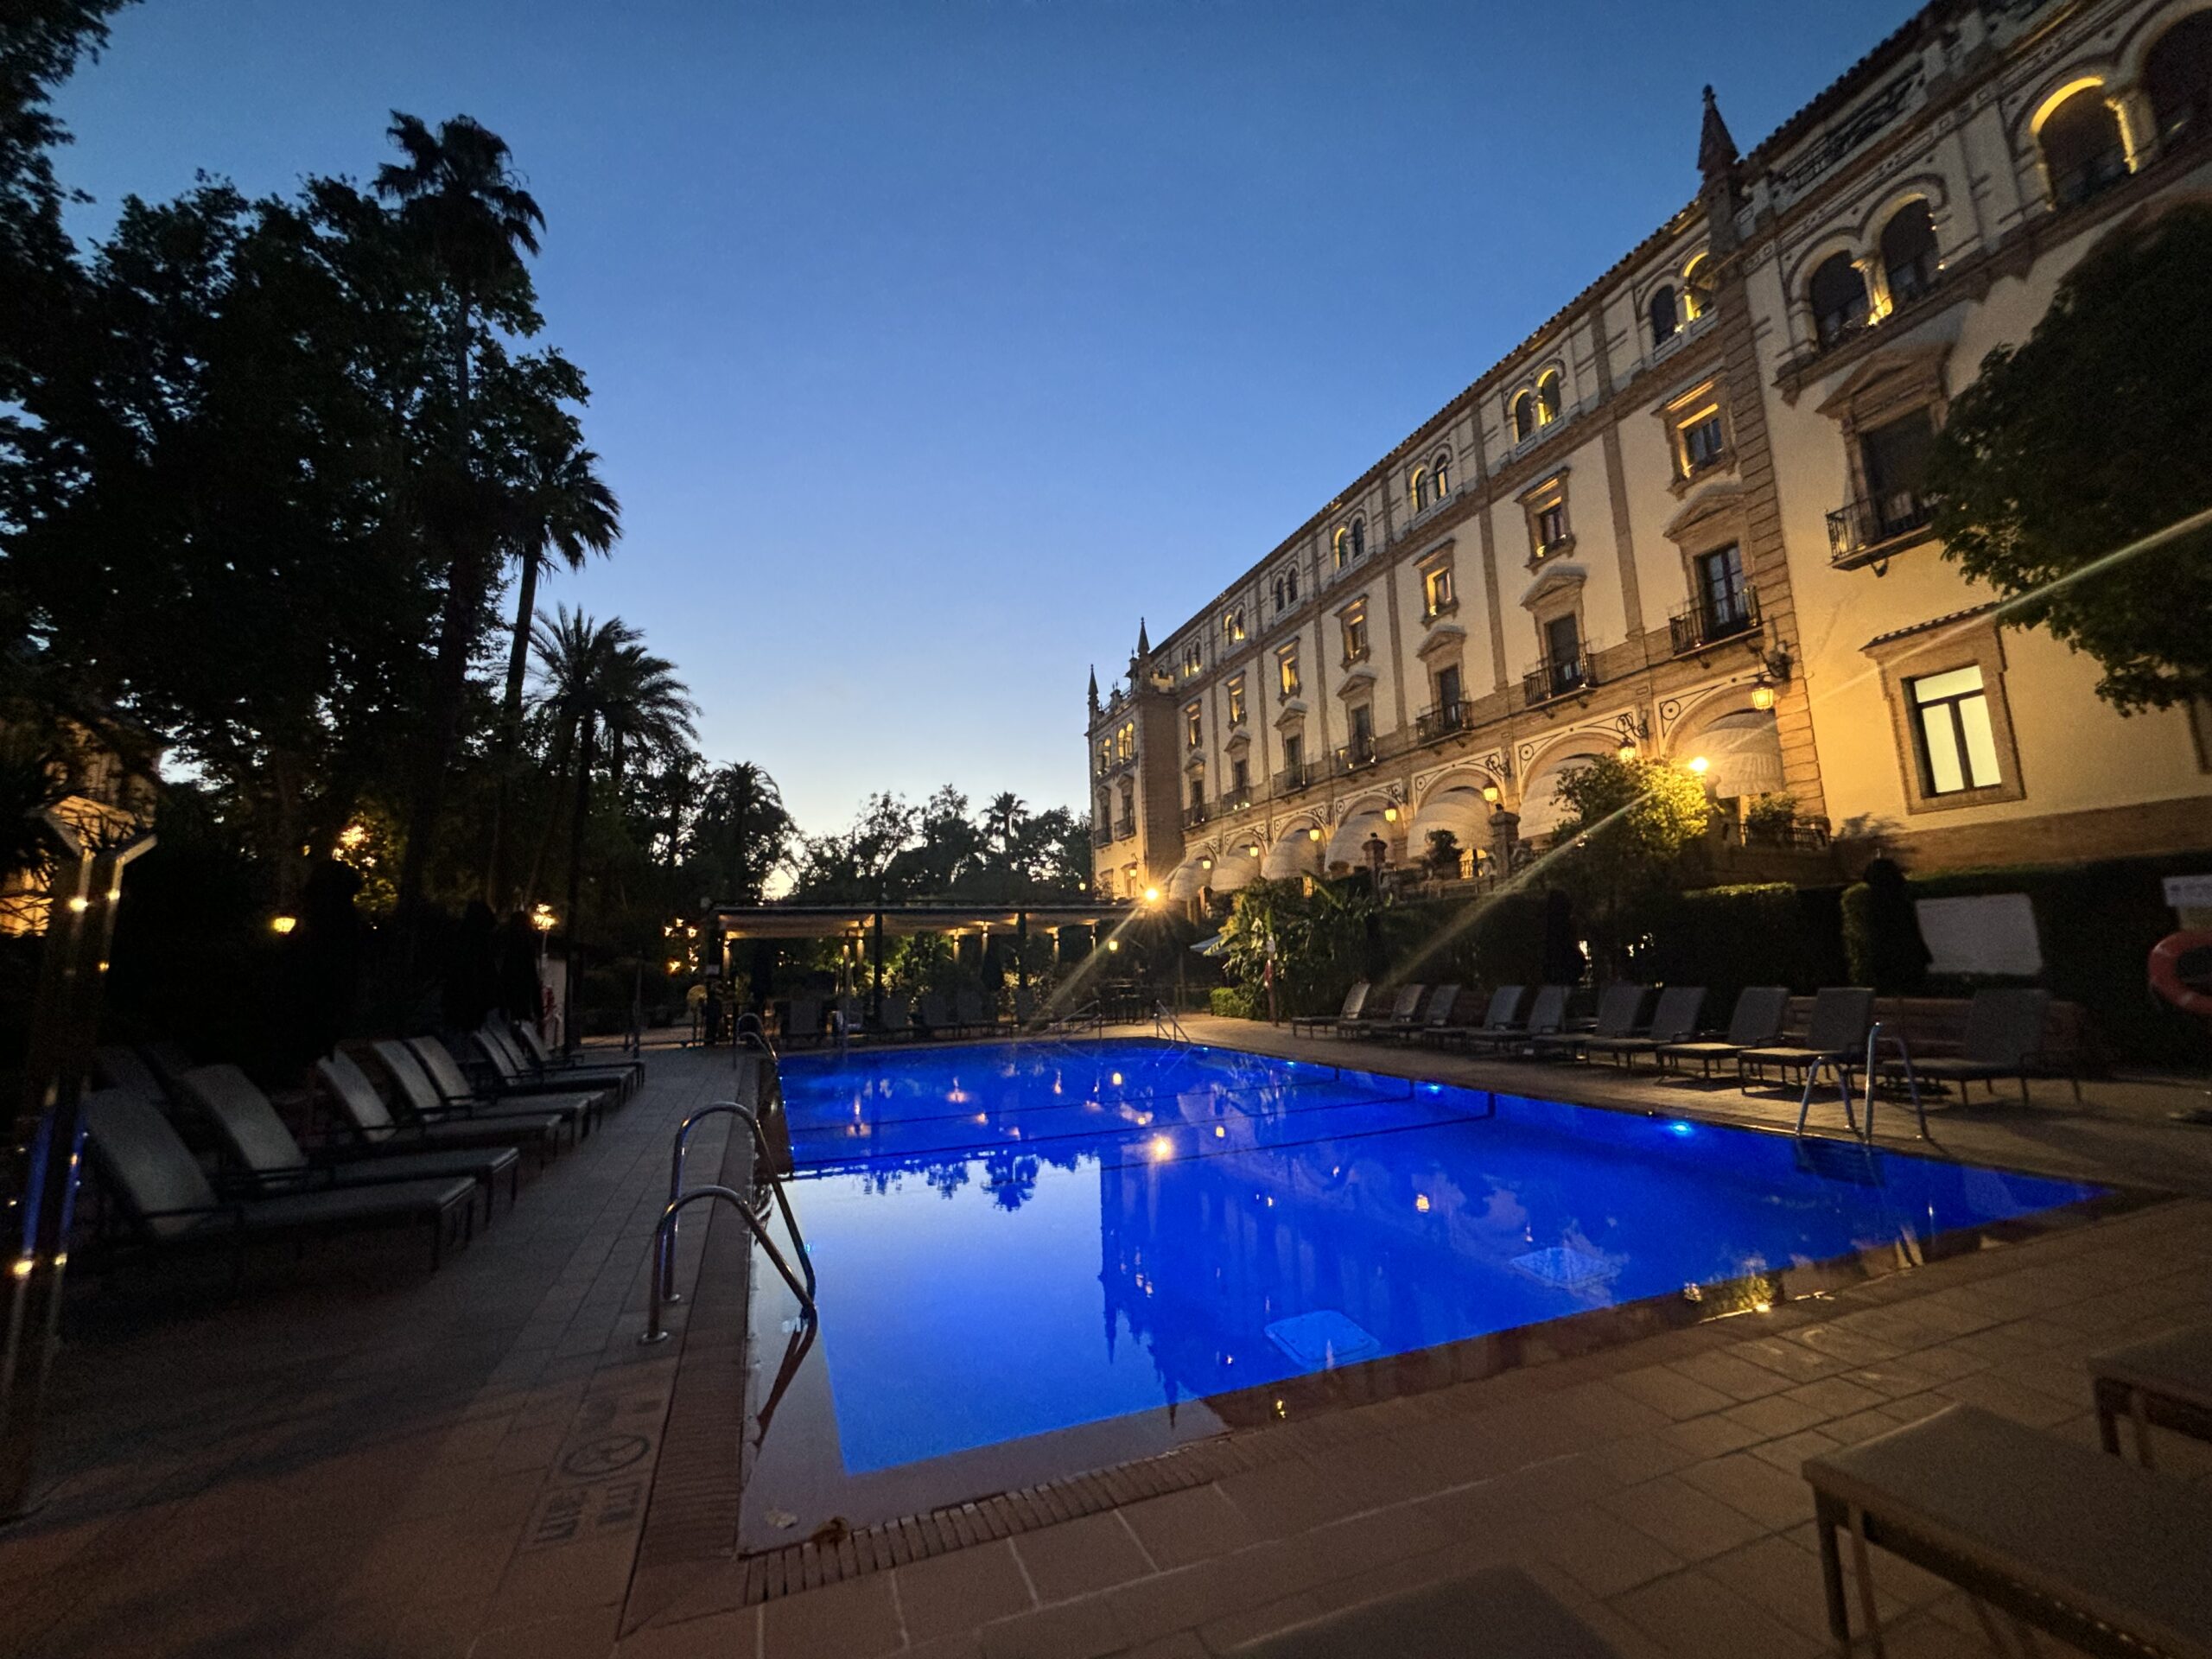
pixel 1725 938
pixel 1767 817
pixel 1233 1001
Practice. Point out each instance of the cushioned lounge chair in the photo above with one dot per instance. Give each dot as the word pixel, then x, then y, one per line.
pixel 1442 1008
pixel 2003 1039
pixel 433 1097
pixel 512 1077
pixel 1499 1612
pixel 2165 1382
pixel 170 1204
pixel 1620 1008
pixel 893 1020
pixel 1760 1014
pixel 1835 1035
pixel 1502 1015
pixel 2102 1554
pixel 547 1062
pixel 1673 1020
pixel 117 1067
pixel 1305 1025
pixel 1404 1010
pixel 363 1111
pixel 254 1140
pixel 1546 1014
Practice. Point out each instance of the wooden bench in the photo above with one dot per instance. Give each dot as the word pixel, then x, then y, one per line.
pixel 2099 1552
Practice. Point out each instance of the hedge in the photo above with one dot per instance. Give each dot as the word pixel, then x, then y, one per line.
pixel 1725 938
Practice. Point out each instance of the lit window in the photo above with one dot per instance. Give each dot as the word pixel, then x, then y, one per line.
pixel 1524 417
pixel 1909 252
pixel 1125 741
pixel 1340 544
pixel 1958 745
pixel 1551 528
pixel 1548 398
pixel 1838 294
pixel 1236 701
pixel 1697 288
pixel 1442 467
pixel 1287 671
pixel 1665 322
pixel 1417 487
pixel 2082 150
pixel 1436 590
pixel 1704 441
pixel 1355 629
pixel 1232 625
pixel 1105 753
pixel 1193 727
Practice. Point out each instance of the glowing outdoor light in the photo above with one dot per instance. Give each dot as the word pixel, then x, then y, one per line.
pixel 1698 765
pixel 81 904
pixel 1205 863
pixel 1314 834
pixel 352 836
pixel 282 923
pixel 1389 815
pixel 1420 1202
pixel 541 917
pixel 1152 895
pixel 1162 1147
pixel 1627 751
pixel 1113 944
pixel 1761 697
pixel 1490 793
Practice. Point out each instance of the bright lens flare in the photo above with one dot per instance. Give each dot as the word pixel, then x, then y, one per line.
pixel 1161 1148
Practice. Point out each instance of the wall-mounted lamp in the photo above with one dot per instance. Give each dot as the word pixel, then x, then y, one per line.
pixel 283 924
pixel 1314 834
pixel 1389 815
pixel 1763 695
pixel 1490 793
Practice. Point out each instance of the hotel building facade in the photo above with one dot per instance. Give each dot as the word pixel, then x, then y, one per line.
pixel 1685 517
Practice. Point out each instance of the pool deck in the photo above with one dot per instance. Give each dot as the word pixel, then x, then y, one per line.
pixel 357 1458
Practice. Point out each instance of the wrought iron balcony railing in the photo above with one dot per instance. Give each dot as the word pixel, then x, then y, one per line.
pixel 1707 621
pixel 1101 834
pixel 1194 815
pixel 1124 828
pixel 1858 528
pixel 1291 780
pixel 1557 677
pixel 1356 756
pixel 1443 720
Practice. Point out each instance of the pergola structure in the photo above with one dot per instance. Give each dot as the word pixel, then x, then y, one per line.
pixel 873 923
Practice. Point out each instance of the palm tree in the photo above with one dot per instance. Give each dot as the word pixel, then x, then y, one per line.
pixel 458 199
pixel 1002 819
pixel 561 507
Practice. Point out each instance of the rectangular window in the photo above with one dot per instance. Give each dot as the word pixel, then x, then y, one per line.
pixel 1958 745
pixel 1448 692
pixel 1125 741
pixel 1199 793
pixel 1236 701
pixel 1895 457
pixel 1287 673
pixel 1563 639
pixel 1436 587
pixel 1551 527
pixel 1703 440
pixel 1293 752
pixel 1361 746
pixel 1721 594
pixel 1193 727
pixel 1240 778
pixel 1355 626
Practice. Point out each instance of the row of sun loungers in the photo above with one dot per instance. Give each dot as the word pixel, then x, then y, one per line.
pixel 426 1154
pixel 2002 1039
pixel 808 1018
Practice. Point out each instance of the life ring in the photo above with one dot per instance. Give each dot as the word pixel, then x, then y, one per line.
pixel 2165 971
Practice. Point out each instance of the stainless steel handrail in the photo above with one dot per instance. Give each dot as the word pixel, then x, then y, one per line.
pixel 764 1172
pixel 1165 1024
pixel 1912 1079
pixel 1843 1088
pixel 655 1330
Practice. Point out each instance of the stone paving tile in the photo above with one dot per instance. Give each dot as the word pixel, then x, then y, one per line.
pixel 1694 1613
pixel 961 1589
pixel 1072 1630
pixel 1776 1416
pixel 1785 1582
pixel 1754 1486
pixel 1603 1553
pixel 721 1636
pixel 1733 1376
pixel 1189 1526
pixel 854 1620
pixel 1078 1557
pixel 1233 1630
pixel 1789 1453
pixel 1668 1390
pixel 1691 1523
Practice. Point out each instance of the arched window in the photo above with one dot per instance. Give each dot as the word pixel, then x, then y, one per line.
pixel 2178 75
pixel 1838 296
pixel 1417 487
pixel 1358 538
pixel 2083 150
pixel 1697 288
pixel 1340 544
pixel 1442 467
pixel 1524 417
pixel 1547 403
pixel 1665 323
pixel 1909 252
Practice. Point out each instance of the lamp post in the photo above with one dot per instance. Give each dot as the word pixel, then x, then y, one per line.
pixel 543 920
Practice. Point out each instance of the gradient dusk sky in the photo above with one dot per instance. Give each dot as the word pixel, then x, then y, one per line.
pixel 933 341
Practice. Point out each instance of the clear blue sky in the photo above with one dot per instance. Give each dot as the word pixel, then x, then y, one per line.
pixel 932 341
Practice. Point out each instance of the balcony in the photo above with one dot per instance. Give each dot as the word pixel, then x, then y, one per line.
pixel 1194 815
pixel 2090 178
pixel 1708 622
pixel 1237 800
pixel 1101 834
pixel 1124 828
pixel 1555 677
pixel 1860 530
pixel 1443 720
pixel 1291 780
pixel 1356 756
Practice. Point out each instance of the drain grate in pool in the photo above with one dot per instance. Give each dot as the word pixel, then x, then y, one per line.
pixel 1566 1267
pixel 1319 1340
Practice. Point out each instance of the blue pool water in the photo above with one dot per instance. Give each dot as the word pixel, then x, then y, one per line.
pixel 1017 1239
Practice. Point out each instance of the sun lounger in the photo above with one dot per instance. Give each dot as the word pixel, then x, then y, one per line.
pixel 1836 1036
pixel 363 1111
pixel 169 1062
pixel 2102 1554
pixel 512 1076
pixel 967 1011
pixel 1502 1015
pixel 434 1095
pixel 160 1188
pixel 546 1063
pixel 893 1020
pixel 2166 1382
pixel 1546 1014
pixel 2003 1039
pixel 117 1067
pixel 1757 1020
pixel 256 1141
pixel 1443 1008
pixel 1403 1008
pixel 1306 1025
pixel 1673 1020
pixel 1498 1612
pixel 1619 1009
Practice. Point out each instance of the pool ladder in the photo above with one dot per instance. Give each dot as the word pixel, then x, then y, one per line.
pixel 1876 1035
pixel 662 1264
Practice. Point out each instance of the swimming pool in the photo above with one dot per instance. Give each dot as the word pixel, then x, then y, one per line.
pixel 1034 1258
